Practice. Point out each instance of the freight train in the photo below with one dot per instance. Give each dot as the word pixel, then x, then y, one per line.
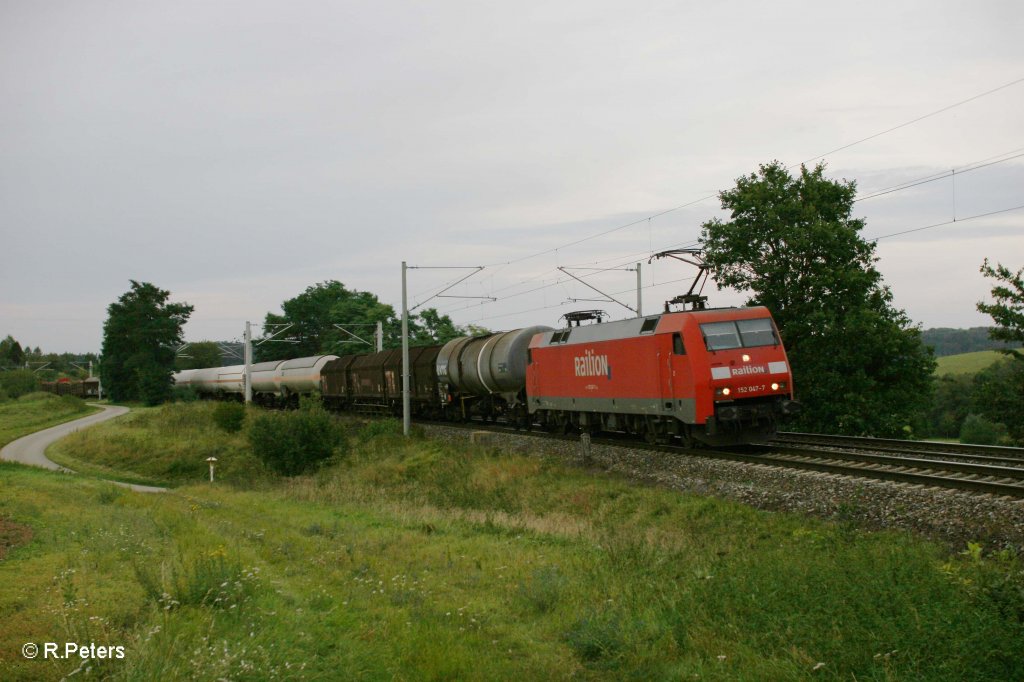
pixel 80 388
pixel 715 376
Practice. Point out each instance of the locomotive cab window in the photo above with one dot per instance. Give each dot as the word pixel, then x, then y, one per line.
pixel 757 332
pixel 739 334
pixel 720 335
pixel 677 344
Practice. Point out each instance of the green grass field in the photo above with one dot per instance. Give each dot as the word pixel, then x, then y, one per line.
pixel 37 411
pixel 411 560
pixel 967 363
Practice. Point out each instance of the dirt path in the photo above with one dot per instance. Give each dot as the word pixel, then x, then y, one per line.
pixel 31 449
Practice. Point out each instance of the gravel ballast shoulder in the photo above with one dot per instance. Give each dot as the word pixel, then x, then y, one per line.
pixel 949 516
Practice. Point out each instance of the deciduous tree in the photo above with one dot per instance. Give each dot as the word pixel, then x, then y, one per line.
pixel 858 363
pixel 314 313
pixel 140 336
pixel 11 353
pixel 200 354
pixel 1008 309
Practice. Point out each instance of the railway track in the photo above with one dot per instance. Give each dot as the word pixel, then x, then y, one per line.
pixel 957 475
pixel 934 465
pixel 981 453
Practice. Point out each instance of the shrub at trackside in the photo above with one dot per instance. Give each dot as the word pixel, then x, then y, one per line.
pixel 295 441
pixel 229 416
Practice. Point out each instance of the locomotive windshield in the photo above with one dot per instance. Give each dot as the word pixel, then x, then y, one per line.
pixel 739 334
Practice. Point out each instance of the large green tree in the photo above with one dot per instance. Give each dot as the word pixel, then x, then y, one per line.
pixel 858 363
pixel 314 314
pixel 1008 309
pixel 200 354
pixel 140 337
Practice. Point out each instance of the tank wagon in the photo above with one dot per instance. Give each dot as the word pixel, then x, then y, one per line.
pixel 717 376
pixel 280 382
pixel 485 376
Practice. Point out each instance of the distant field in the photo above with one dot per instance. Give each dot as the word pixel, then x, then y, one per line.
pixel 967 363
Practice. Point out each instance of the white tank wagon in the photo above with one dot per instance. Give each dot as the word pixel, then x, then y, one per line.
pixel 277 381
pixel 300 376
pixel 183 379
pixel 263 375
pixel 216 380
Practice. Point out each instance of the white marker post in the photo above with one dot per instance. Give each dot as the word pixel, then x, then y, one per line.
pixel 211 461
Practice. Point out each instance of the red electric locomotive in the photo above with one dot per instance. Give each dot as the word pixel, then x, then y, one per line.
pixel 717 376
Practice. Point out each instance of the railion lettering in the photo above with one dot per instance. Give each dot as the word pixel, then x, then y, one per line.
pixel 590 365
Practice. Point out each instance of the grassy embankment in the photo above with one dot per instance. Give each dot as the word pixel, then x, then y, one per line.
pixel 411 560
pixel 37 411
pixel 160 446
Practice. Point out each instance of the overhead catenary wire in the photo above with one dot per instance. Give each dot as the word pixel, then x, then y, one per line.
pixel 948 222
pixel 621 261
pixel 917 120
pixel 712 196
pixel 689 279
pixel 661 284
pixel 977 165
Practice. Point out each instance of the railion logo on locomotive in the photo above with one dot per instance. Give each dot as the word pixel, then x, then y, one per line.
pixel 590 365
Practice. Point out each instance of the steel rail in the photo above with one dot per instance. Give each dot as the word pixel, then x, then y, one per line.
pixel 910 462
pixel 890 444
pixel 820 462
pixel 824 461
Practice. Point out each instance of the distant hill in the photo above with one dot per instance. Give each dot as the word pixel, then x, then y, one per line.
pixel 947 341
pixel 967 363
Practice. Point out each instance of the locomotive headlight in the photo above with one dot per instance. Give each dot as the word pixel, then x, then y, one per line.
pixel 723 391
pixel 775 387
pixel 746 358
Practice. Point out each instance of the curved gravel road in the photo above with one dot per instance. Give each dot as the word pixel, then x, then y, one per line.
pixel 31 449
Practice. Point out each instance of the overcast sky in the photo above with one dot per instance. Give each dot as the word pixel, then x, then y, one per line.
pixel 235 153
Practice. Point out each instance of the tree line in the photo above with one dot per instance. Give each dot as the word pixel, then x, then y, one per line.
pixel 945 341
pixel 23 368
pixel 143 331
pixel 790 241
